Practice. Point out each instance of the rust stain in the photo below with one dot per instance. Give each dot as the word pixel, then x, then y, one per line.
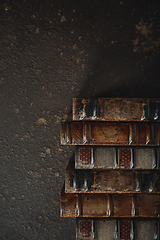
pixel 144 28
pixel 48 150
pixel 145 41
pixel 42 121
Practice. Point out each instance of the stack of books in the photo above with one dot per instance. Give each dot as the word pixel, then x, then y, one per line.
pixel 112 186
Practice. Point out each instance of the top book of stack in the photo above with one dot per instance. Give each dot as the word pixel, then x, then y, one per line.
pixel 116 109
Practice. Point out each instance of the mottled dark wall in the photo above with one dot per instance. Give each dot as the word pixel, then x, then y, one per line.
pixel 50 52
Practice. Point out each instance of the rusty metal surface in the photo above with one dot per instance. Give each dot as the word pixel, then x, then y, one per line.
pixel 105 133
pixel 110 205
pixel 116 109
pixel 112 181
pixel 117 158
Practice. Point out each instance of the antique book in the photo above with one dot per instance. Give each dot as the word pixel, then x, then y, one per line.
pixel 109 205
pixel 110 133
pixel 117 158
pixel 110 229
pixel 116 109
pixel 111 181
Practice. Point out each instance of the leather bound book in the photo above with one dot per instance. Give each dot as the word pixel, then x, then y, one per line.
pixel 109 229
pixel 117 158
pixel 105 133
pixel 110 205
pixel 116 109
pixel 112 181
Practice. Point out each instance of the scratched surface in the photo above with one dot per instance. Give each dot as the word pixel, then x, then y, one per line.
pixel 50 52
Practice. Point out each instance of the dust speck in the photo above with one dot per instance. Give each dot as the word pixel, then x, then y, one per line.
pixel 63 19
pixel 57 174
pixel 75 46
pixel 42 121
pixel 37 30
pixel 145 41
pixel 48 150
pixel 58 119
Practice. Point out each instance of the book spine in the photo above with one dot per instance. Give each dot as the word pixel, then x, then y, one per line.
pixel 109 181
pixel 110 205
pixel 85 229
pixel 89 229
pixel 116 109
pixel 105 133
pixel 117 158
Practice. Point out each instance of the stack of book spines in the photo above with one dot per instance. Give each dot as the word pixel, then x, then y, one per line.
pixel 128 144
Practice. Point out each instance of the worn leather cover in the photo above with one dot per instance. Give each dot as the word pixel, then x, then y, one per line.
pixel 112 229
pixel 112 181
pixel 117 158
pixel 109 133
pixel 116 109
pixel 110 205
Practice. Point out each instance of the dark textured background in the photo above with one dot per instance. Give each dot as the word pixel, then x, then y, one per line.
pixel 50 52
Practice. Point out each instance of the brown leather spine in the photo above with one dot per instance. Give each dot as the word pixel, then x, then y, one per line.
pixel 112 181
pixel 105 133
pixel 116 109
pixel 108 206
